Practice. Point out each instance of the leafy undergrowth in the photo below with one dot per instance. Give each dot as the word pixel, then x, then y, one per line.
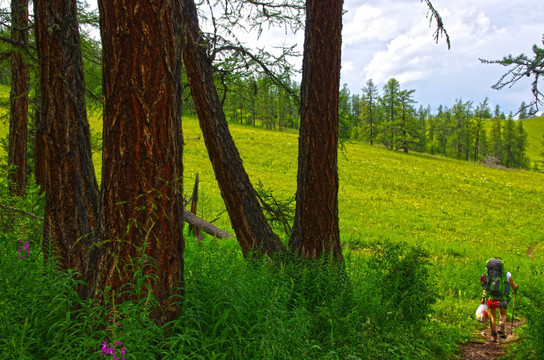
pixel 378 306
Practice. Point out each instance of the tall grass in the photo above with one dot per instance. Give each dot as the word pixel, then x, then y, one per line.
pixel 535 136
pixel 232 309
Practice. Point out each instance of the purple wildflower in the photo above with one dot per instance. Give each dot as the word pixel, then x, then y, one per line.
pixel 24 248
pixel 111 350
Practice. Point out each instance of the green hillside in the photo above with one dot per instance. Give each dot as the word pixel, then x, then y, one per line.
pixel 535 132
pixel 417 198
pixel 462 213
pixel 4 112
pixel 434 201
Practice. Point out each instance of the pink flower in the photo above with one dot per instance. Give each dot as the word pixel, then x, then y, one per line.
pixel 111 350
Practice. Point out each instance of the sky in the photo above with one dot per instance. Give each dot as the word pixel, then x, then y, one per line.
pixel 384 39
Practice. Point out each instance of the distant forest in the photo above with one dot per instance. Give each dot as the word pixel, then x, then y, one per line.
pixel 390 117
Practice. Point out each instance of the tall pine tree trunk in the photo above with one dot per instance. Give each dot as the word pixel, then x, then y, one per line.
pixel 315 230
pixel 252 230
pixel 63 140
pixel 18 96
pixel 142 154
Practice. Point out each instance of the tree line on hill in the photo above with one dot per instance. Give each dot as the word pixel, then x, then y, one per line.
pixel 465 131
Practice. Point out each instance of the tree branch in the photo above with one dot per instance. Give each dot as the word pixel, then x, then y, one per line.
pixel 440 29
pixel 262 65
pixel 522 66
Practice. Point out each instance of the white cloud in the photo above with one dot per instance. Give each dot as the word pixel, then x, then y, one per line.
pixel 371 23
pixel 393 39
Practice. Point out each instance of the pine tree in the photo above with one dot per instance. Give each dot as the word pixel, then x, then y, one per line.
pixel 481 113
pixel 407 124
pixel 142 214
pixel 522 66
pixel 496 142
pixel 19 97
pixel 369 112
pixel 522 112
pixel 389 103
pixel 521 146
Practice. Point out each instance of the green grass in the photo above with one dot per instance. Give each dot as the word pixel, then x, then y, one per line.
pixel 535 132
pixel 451 207
pixel 458 213
pixel 4 118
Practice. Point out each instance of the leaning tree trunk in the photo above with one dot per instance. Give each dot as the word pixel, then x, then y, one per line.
pixel 252 230
pixel 142 154
pixel 315 229
pixel 18 96
pixel 63 140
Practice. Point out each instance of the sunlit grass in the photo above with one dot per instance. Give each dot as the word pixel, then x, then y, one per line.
pixel 535 136
pixel 448 206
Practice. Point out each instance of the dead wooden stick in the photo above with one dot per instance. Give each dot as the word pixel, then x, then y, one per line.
pixel 205 226
pixel 194 200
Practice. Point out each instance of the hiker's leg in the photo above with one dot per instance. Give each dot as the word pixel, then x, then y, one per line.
pixel 502 311
pixel 502 329
pixel 492 315
pixel 492 321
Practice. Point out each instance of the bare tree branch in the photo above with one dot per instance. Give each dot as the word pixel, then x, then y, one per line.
pixel 440 29
pixel 258 60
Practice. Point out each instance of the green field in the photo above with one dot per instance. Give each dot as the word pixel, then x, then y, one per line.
pixel 535 132
pixel 460 213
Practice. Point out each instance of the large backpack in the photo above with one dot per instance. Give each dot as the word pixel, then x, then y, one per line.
pixel 496 285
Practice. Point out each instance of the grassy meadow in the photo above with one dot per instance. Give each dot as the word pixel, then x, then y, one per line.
pixel 416 232
pixel 535 132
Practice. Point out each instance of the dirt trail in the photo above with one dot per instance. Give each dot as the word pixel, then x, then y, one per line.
pixel 484 348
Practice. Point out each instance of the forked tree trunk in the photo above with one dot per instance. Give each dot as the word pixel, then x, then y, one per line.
pixel 142 155
pixel 315 230
pixel 18 96
pixel 252 230
pixel 63 140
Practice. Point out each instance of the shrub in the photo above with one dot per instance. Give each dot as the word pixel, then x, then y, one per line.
pixel 401 277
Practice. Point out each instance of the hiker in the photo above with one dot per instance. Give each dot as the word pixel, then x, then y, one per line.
pixel 496 291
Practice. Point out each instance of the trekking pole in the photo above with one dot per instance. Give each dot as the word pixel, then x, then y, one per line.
pixel 513 309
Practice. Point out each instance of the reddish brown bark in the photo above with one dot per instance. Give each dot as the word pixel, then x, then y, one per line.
pixel 142 155
pixel 315 230
pixel 18 96
pixel 252 230
pixel 63 140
